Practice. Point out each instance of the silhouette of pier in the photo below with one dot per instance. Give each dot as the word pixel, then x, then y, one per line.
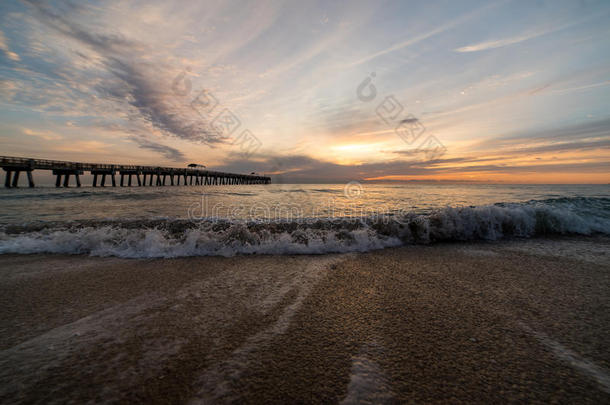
pixel 143 175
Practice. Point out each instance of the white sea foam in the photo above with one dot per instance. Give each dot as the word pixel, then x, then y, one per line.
pixel 176 238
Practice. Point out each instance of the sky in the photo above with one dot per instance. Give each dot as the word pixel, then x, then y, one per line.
pixel 315 91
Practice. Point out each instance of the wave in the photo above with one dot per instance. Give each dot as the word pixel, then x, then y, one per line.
pixel 167 238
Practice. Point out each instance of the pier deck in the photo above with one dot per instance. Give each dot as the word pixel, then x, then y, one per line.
pixel 144 175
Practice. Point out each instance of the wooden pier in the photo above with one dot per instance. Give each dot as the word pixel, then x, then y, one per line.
pixel 143 175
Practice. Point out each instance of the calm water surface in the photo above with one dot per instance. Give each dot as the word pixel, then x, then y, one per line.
pixel 275 201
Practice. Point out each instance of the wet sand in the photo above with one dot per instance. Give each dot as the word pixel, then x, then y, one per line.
pixel 524 320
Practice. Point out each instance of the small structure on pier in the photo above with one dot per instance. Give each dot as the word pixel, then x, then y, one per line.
pixel 154 176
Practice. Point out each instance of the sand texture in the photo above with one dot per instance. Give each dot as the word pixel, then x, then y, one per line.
pixel 524 320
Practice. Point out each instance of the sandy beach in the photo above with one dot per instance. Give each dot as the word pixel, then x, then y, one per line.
pixel 521 320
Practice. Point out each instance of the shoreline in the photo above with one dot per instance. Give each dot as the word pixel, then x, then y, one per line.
pixel 592 238
pixel 523 319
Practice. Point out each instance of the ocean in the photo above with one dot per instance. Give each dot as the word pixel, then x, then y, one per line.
pixel 147 222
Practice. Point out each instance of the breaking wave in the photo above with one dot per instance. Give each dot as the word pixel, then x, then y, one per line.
pixel 179 237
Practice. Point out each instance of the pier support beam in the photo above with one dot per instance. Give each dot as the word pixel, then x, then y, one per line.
pixel 12 176
pixel 16 179
pixel 30 179
pixel 66 177
pixel 7 180
pixel 103 173
pixel 130 174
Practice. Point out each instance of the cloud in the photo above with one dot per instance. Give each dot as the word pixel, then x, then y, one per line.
pixel 60 23
pixel 483 46
pixel 157 105
pixel 126 75
pixel 5 48
pixel 499 43
pixel 435 31
pixel 584 87
pixel 581 132
pixel 304 169
pixel 46 135
pixel 588 167
pixel 565 147
pixel 411 120
pixel 167 151
pixel 507 157
pixel 84 147
pixel 512 154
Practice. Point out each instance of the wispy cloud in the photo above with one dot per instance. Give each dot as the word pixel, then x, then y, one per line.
pixel 301 168
pixel 421 37
pixel 499 43
pixel 130 78
pixel 46 135
pixel 167 151
pixel 581 132
pixel 5 48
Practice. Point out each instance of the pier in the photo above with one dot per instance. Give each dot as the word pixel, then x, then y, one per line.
pixel 130 175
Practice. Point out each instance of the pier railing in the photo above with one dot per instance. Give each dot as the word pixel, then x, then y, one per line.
pixel 13 166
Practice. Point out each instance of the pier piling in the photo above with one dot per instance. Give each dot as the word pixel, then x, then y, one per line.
pixel 30 179
pixel 16 178
pixel 7 180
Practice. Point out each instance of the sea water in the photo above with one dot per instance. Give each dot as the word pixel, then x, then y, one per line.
pixel 177 221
